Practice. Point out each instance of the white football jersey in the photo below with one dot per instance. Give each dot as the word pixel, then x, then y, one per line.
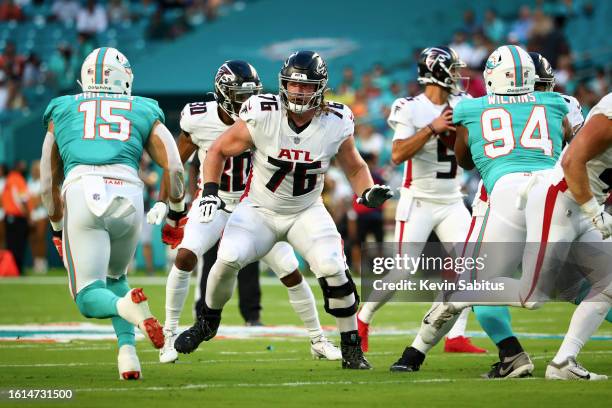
pixel 599 169
pixel 574 116
pixel 432 173
pixel 201 120
pixel 289 167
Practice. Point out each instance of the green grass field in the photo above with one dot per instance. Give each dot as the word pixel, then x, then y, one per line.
pixel 279 370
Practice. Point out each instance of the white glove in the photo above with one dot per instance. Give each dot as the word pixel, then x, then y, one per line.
pixel 157 214
pixel 598 216
pixel 208 207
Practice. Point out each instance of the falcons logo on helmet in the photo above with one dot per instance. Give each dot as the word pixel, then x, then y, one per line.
pixel 434 55
pixel 225 74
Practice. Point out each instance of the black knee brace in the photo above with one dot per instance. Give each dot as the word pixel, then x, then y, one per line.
pixel 337 292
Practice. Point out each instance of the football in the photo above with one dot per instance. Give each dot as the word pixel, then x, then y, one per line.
pixel 448 137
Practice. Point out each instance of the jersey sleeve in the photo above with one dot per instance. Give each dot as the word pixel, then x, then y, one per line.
pixel 256 111
pixel 400 119
pixel 51 111
pixel 604 107
pixel 348 122
pixel 459 113
pixel 575 112
pixel 155 111
pixel 188 116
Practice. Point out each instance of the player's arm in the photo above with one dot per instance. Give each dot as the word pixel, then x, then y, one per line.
pixel 51 178
pixel 594 138
pixel 185 148
pixel 358 175
pixel 405 146
pixel 568 132
pixel 163 150
pixel 232 142
pixel 462 151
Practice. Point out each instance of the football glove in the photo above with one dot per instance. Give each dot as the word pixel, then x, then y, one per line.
pixel 174 229
pixel 210 202
pixel 157 213
pixel 598 216
pixel 376 195
pixel 57 241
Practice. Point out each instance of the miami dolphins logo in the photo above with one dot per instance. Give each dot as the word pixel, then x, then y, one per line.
pixel 494 60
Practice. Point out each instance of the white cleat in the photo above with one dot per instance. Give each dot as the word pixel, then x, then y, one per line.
pixel 168 353
pixel 439 314
pixel 129 365
pixel 570 369
pixel 323 348
pixel 134 308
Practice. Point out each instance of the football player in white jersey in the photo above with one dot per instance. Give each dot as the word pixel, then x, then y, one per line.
pixel 294 134
pixel 201 124
pixel 431 198
pixel 545 82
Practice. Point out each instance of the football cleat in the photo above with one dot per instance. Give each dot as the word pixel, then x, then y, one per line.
pixel 410 361
pixel 439 314
pixel 364 331
pixel 461 344
pixel 570 369
pixel 516 366
pixel 168 353
pixel 352 355
pixel 323 348
pixel 189 340
pixel 129 365
pixel 134 308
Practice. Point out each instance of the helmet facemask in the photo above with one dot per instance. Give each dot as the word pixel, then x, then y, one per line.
pixel 547 84
pixel 299 102
pixel 233 96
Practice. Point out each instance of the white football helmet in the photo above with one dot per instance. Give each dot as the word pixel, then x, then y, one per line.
pixel 509 71
pixel 106 70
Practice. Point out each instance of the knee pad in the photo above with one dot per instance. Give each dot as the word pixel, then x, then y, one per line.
pixel 341 291
pixel 228 254
pixel 284 264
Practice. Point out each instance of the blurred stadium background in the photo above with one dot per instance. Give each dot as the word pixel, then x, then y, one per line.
pixel 175 47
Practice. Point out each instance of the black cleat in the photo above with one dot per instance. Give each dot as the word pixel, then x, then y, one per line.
pixel 352 355
pixel 410 361
pixel 516 366
pixel 189 340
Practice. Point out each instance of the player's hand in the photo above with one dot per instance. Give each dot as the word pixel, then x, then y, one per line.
pixel 57 242
pixel 174 229
pixel 376 195
pixel 157 213
pixel 598 216
pixel 444 122
pixel 208 207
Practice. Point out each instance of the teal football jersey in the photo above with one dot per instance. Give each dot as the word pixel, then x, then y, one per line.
pixel 100 128
pixel 512 133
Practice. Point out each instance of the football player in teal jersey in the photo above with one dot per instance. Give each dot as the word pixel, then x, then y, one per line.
pixel 93 195
pixel 509 135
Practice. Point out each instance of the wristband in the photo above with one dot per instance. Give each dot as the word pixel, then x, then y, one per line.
pixel 591 208
pixel 210 188
pixel 177 207
pixel 433 131
pixel 57 225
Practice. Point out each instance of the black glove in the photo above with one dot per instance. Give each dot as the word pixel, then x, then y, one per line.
pixel 376 195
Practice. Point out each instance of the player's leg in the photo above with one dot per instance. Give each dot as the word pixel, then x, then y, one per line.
pixel 591 312
pixel 454 224
pixel 249 294
pixel 284 264
pixel 87 249
pixel 414 222
pixel 246 238
pixel 198 238
pixel 314 235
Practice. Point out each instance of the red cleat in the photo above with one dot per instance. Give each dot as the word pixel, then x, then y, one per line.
pixel 363 329
pixel 131 375
pixel 154 331
pixel 461 345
